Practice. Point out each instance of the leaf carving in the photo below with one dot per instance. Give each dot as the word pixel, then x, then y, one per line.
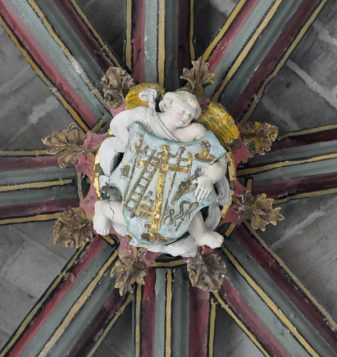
pixel 66 145
pixel 127 271
pixel 258 136
pixel 198 77
pixel 73 229
pixel 206 272
pixel 116 85
pixel 259 210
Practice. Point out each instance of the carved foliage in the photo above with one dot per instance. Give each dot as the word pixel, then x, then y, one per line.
pixel 128 270
pixel 260 212
pixel 258 136
pixel 116 84
pixel 206 272
pixel 197 78
pixel 66 145
pixel 73 229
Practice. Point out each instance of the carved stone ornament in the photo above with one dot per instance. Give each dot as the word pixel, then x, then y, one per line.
pixel 259 210
pixel 129 270
pixel 206 272
pixel 73 229
pixel 66 145
pixel 116 84
pixel 258 136
pixel 198 77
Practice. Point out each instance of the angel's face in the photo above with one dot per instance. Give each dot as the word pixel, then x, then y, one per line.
pixel 181 115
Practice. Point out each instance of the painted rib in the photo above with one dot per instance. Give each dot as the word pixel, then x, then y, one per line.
pixel 267 77
pixel 144 328
pixel 89 36
pixel 18 44
pixel 321 321
pixel 199 323
pixel 156 40
pixel 52 59
pixel 71 276
pixel 296 322
pixel 81 60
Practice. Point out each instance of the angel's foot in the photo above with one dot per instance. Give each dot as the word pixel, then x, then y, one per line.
pixel 101 222
pixel 211 239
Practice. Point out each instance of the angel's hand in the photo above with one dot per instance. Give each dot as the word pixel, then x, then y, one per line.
pixel 204 188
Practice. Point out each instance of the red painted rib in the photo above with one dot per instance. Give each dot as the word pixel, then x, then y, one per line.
pixel 84 34
pixel 147 317
pixel 57 295
pixel 283 189
pixel 222 47
pixel 35 208
pixel 305 139
pixel 138 29
pixel 287 285
pixel 274 56
pixel 199 321
pixel 45 62
pixel 244 312
pixel 13 164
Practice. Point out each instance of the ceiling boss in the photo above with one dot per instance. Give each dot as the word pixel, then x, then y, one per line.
pixel 162 178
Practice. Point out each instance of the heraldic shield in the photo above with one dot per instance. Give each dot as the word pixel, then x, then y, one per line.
pixel 157 181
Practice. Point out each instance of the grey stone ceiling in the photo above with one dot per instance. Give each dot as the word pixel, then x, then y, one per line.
pixel 303 95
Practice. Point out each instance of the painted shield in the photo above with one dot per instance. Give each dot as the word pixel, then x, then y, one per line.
pixel 156 179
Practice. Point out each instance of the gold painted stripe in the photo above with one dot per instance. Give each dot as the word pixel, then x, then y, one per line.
pixel 26 322
pixel 241 324
pixel 211 334
pixel 191 30
pixel 245 51
pixel 319 129
pixel 37 218
pixel 98 38
pixel 280 64
pixel 299 196
pixel 128 34
pixel 79 186
pixel 73 61
pixel 34 185
pixel 161 43
pixel 224 29
pixel 230 230
pixel 168 310
pixel 10 153
pixel 76 307
pixel 171 264
pixel 109 240
pixel 277 165
pixel 138 313
pixel 116 317
pixel 329 319
pixel 270 303
pixel 42 76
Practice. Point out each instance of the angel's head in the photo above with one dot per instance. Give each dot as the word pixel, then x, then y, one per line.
pixel 182 107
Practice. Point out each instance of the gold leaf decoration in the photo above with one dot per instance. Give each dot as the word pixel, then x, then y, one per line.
pixel 66 145
pixel 206 272
pixel 132 99
pixel 259 210
pixel 128 270
pixel 216 118
pixel 258 136
pixel 197 78
pixel 73 229
pixel 116 84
